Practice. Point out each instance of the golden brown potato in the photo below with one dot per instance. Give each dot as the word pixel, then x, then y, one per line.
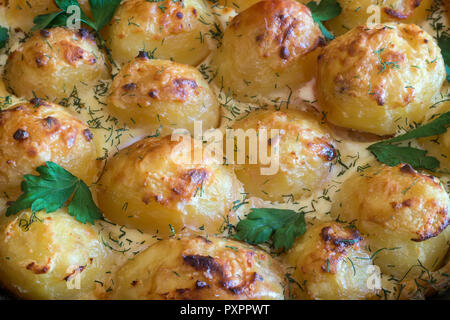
pixel 355 13
pixel 43 256
pixel 331 263
pixel 152 186
pixel 20 13
pixel 404 215
pixel 36 132
pixel 201 269
pixel 267 46
pixel 161 92
pixel 305 151
pixel 375 79
pixel 173 30
pixel 52 62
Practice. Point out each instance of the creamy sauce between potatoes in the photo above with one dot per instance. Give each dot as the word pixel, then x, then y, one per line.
pixel 89 105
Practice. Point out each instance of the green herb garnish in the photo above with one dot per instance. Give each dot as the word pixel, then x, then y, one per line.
pixel 324 11
pixel 51 191
pixel 392 154
pixel 444 44
pixel 280 225
pixel 4 37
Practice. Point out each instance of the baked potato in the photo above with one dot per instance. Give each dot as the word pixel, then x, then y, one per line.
pixel 331 263
pixel 268 46
pixel 154 185
pixel 305 154
pixel 375 79
pixel 51 256
pixel 50 63
pixel 199 268
pixel 402 213
pixel 154 93
pixel 175 30
pixel 35 132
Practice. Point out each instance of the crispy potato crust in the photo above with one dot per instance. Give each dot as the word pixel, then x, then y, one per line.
pixel 52 62
pixel 199 269
pixel 150 186
pixel 266 47
pixel 36 132
pixel 375 79
pixel 173 32
pixel 161 92
pixel 403 213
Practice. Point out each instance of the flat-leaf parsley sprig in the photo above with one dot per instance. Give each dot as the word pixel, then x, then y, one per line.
pixel 324 11
pixel 392 154
pixel 51 190
pixel 281 226
pixel 444 44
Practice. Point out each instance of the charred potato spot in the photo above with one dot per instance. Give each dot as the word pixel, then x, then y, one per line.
pixel 402 212
pixel 161 187
pixel 330 262
pixel 173 32
pixel 31 135
pixel 194 269
pixel 267 46
pixel 39 257
pixel 158 93
pixel 374 78
pixel 50 64
pixel 305 149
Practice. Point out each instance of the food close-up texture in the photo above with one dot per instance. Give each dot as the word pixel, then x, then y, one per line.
pixel 224 150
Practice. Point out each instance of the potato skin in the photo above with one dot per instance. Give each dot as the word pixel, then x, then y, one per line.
pixel 149 187
pixel 331 263
pixel 50 63
pixel 267 46
pixel 397 207
pixel 38 260
pixel 374 78
pixel 201 269
pixel 354 13
pixel 161 92
pixel 238 5
pixel 33 133
pixel 173 31
pixel 306 154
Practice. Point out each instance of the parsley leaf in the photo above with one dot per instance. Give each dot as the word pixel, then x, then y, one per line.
pixel 392 154
pixel 444 44
pixel 4 37
pixel 51 190
pixel 282 225
pixel 103 11
pixel 324 11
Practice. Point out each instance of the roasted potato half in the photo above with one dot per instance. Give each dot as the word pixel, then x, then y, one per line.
pixel 375 79
pixel 155 186
pixel 402 213
pixel 174 30
pixel 359 12
pixel 267 46
pixel 201 269
pixel 331 263
pixel 50 256
pixel 36 132
pixel 52 62
pixel 154 93
pixel 301 153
